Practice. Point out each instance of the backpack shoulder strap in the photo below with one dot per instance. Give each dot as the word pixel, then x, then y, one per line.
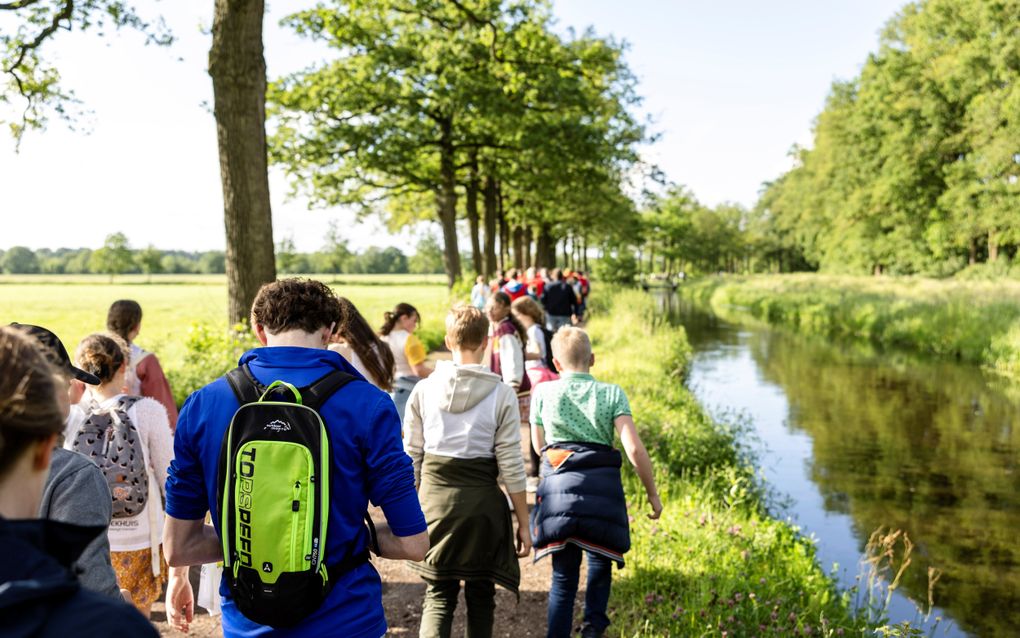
pixel 246 387
pixel 316 394
pixel 127 401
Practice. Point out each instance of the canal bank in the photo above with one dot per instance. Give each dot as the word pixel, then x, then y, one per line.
pixel 859 439
pixel 975 322
pixel 717 562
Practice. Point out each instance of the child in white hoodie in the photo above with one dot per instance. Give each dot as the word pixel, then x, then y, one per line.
pixel 462 430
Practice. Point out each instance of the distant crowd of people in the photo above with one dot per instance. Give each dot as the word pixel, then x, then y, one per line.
pixel 108 495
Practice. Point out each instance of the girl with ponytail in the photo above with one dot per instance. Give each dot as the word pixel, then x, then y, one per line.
pixel 408 352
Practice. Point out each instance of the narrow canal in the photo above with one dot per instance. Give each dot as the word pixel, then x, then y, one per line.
pixel 858 440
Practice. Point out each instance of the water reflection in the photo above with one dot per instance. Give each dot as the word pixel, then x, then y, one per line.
pixel 860 440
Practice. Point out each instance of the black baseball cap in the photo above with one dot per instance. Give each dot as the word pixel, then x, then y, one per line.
pixel 56 353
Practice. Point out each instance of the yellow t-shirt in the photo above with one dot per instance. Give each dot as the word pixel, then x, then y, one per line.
pixel 414 350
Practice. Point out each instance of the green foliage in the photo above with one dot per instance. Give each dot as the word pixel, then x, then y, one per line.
pixel 423 98
pixel 114 258
pixel 620 268
pixel 682 235
pixel 209 354
pixel 914 166
pixel 428 257
pixel 150 260
pixel 975 322
pixel 31 85
pixel 19 260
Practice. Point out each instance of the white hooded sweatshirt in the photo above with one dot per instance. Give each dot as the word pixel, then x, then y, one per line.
pixel 465 412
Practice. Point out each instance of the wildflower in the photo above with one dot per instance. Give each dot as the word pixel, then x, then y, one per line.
pixel 630 519
pixel 839 631
pixel 738 597
pixel 751 595
pixel 649 599
pixel 762 580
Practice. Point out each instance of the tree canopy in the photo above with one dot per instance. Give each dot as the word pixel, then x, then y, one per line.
pixel 431 104
pixel 915 162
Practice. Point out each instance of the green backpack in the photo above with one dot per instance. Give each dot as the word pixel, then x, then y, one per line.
pixel 274 504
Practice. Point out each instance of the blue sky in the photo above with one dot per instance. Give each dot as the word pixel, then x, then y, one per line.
pixel 730 85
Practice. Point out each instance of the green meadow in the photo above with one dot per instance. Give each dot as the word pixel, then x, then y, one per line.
pixel 180 309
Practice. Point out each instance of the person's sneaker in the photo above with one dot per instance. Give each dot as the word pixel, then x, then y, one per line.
pixel 587 631
pixel 533 484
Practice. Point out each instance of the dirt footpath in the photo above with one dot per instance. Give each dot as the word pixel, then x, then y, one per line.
pixel 403 592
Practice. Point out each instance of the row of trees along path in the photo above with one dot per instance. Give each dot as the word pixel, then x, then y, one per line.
pixel 470 109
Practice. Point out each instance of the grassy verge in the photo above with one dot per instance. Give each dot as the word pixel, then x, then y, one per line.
pixel 716 563
pixel 973 321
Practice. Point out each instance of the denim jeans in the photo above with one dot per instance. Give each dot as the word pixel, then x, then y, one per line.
pixel 566 573
pixel 555 322
pixel 402 387
pixel 441 602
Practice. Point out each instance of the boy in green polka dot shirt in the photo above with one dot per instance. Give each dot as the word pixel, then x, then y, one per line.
pixel 578 409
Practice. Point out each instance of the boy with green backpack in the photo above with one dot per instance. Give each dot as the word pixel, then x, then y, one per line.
pixel 286 452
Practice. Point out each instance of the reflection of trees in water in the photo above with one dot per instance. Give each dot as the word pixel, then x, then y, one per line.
pixel 926 447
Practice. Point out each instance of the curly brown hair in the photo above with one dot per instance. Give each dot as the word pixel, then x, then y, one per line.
pixel 30 409
pixel 295 304
pixel 102 355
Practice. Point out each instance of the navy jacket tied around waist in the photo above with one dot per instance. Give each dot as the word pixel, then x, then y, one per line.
pixel 580 500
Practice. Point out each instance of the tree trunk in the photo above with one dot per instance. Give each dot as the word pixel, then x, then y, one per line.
pixel 446 202
pixel 993 246
pixel 519 248
pixel 973 252
pixel 504 231
pixel 490 212
pixel 584 253
pixel 528 239
pixel 545 248
pixel 471 211
pixel 238 71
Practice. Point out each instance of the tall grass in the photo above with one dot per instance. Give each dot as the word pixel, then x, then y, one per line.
pixel 716 563
pixel 973 321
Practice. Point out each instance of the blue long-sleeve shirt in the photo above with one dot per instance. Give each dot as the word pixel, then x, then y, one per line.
pixel 369 464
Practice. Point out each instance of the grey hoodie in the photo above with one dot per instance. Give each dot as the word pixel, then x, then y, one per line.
pixel 76 492
pixel 465 412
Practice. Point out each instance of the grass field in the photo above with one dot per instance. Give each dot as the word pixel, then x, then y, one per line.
pixel 74 306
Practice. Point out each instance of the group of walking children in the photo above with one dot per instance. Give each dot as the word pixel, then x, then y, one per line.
pixel 518 385
pixel 462 429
